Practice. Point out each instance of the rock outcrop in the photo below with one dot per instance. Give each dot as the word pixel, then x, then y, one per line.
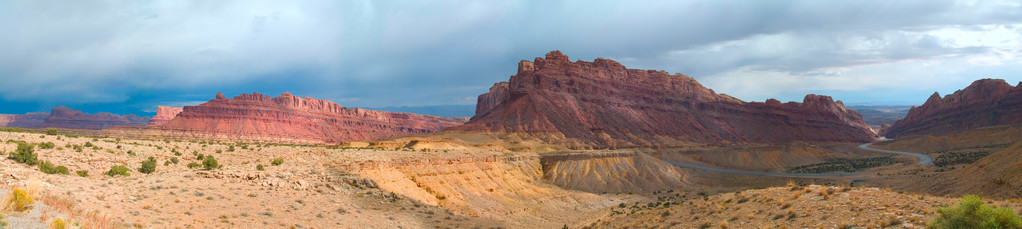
pixel 63 117
pixel 604 104
pixel 987 102
pixel 291 117
pixel 34 119
pixel 164 114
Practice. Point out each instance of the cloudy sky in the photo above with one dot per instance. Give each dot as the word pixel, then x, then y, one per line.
pixel 129 56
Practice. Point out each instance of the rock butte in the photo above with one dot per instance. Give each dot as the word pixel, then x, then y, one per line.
pixel 164 114
pixel 602 103
pixel 63 117
pixel 293 117
pixel 986 102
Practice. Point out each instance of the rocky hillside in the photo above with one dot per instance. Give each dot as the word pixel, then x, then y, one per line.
pixel 63 117
pixel 164 114
pixel 604 104
pixel 812 206
pixel 987 102
pixel 293 117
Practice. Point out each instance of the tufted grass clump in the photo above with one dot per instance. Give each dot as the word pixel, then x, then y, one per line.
pixel 57 224
pixel 18 201
pixel 972 212
pixel 277 161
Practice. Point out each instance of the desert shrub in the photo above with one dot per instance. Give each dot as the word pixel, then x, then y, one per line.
pixel 260 167
pixel 210 163
pixel 200 157
pixel 277 161
pixel 148 166
pixel 971 212
pixel 230 149
pixel 25 154
pixel 173 160
pixel 57 224
pixel 82 173
pixel 19 200
pixel 193 165
pixel 47 145
pixel 88 144
pixel 118 170
pixel 132 153
pixel 49 168
pixel 51 131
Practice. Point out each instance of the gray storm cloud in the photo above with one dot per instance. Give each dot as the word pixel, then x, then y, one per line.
pixel 393 53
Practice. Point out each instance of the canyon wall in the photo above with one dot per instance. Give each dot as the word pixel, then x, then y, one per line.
pixel 164 114
pixel 292 117
pixel 34 119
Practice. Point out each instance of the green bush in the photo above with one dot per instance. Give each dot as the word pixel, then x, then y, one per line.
pixel 51 131
pixel 173 160
pixel 82 173
pixel 200 157
pixel 260 167
pixel 971 212
pixel 277 161
pixel 210 163
pixel 230 149
pixel 148 166
pixel 88 144
pixel 193 165
pixel 118 170
pixel 25 154
pixel 47 145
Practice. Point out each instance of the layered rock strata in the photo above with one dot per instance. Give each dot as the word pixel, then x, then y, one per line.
pixel 604 104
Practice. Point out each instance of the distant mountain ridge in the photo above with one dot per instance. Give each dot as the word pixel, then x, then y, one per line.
pixel 986 102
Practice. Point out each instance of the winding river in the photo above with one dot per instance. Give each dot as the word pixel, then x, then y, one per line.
pixel 923 160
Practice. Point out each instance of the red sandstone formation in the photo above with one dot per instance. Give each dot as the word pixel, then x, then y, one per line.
pixel 34 119
pixel 62 117
pixel 292 117
pixel 987 102
pixel 164 114
pixel 602 103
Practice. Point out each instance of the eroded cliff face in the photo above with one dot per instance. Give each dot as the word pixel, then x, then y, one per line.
pixel 63 117
pixel 604 104
pixel 611 172
pixel 485 184
pixel 291 117
pixel 164 114
pixel 35 119
pixel 986 102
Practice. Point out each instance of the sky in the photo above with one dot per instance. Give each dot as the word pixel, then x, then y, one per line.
pixel 130 56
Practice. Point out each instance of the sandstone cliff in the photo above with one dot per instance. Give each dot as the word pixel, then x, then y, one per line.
pixel 34 119
pixel 604 104
pixel 292 117
pixel 63 117
pixel 987 102
pixel 164 114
